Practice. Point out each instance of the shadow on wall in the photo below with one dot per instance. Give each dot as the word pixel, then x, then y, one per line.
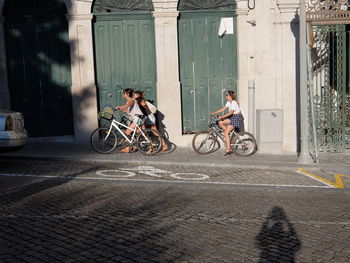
pixel 39 62
pixel 277 240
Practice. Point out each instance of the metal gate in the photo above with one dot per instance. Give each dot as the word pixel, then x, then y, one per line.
pixel 39 68
pixel 124 41
pixel 208 63
pixel 329 84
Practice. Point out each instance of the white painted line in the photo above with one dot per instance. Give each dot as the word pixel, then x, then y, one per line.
pixel 162 181
pixel 313 178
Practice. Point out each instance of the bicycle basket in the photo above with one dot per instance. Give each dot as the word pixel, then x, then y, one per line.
pixel 106 113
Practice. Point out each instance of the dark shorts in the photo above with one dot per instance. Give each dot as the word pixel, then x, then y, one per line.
pixel 236 120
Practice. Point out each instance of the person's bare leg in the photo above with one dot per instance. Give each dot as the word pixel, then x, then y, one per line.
pixel 227 138
pixel 131 126
pixel 223 124
pixel 127 133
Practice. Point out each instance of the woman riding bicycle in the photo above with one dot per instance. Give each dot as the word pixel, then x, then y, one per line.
pixel 231 120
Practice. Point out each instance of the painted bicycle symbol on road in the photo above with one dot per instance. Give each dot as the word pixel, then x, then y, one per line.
pixel 150 171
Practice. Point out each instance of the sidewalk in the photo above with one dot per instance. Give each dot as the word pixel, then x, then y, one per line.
pixel 179 156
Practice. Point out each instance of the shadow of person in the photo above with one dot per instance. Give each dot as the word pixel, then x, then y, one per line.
pixel 161 128
pixel 277 240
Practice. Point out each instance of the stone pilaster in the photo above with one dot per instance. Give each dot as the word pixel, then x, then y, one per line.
pixel 168 84
pixel 245 56
pixel 286 35
pixel 83 76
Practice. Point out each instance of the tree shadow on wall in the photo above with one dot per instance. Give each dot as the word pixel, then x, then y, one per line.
pixel 277 240
pixel 39 67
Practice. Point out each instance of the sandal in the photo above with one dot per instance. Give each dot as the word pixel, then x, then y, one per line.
pixel 149 151
pixel 164 149
pixel 227 152
pixel 133 149
pixel 125 150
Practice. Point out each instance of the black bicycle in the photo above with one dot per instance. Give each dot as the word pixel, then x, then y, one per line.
pixel 205 142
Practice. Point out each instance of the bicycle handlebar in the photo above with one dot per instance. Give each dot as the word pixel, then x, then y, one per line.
pixel 214 118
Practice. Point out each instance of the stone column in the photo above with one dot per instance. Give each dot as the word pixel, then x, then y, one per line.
pixel 168 84
pixel 83 76
pixel 4 89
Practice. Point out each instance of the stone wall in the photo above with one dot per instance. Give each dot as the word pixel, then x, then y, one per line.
pixel 267 37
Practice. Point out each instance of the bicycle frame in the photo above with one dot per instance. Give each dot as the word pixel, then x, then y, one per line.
pixel 213 127
pixel 115 124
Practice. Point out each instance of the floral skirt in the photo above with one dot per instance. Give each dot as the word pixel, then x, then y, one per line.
pixel 236 120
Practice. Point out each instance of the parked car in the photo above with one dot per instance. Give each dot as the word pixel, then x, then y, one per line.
pixel 12 131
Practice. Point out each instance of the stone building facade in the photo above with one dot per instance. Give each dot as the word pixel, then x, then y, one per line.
pixel 267 37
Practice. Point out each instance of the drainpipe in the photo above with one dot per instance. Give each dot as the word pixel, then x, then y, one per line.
pixel 304 155
pixel 251 104
pixel 312 107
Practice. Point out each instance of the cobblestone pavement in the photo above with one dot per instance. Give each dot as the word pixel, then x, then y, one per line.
pixel 86 220
pixel 161 172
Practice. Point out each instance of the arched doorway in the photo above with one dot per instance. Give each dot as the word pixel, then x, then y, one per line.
pixel 39 66
pixel 124 49
pixel 208 63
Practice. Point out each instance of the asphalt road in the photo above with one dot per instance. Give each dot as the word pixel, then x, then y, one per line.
pixel 53 211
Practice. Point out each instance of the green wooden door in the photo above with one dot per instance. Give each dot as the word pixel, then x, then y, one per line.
pixel 125 56
pixel 208 66
pixel 39 73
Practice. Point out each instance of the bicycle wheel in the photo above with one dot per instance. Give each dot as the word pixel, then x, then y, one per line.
pixel 243 144
pixel 149 142
pixel 101 143
pixel 204 143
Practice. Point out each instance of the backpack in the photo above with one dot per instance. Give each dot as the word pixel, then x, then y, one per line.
pixel 151 107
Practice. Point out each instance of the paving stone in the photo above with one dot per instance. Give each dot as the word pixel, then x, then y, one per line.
pixel 132 222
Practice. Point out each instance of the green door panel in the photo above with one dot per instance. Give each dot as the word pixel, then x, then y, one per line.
pixel 186 73
pixel 208 67
pixel 217 70
pixel 200 72
pixel 103 56
pixel 118 69
pixel 125 57
pixel 38 58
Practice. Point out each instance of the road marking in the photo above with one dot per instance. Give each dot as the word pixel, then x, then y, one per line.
pixel 161 181
pixel 151 171
pixel 182 176
pixel 115 173
pixel 338 180
pixel 148 170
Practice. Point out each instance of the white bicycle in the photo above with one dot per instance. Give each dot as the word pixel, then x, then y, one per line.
pixel 105 140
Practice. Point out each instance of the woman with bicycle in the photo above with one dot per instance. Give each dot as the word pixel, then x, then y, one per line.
pixel 150 119
pixel 231 120
pixel 127 94
pixel 129 107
